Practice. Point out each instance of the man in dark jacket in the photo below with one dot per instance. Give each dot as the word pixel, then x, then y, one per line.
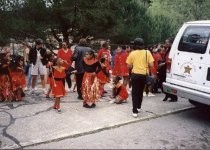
pixel 78 56
pixel 38 59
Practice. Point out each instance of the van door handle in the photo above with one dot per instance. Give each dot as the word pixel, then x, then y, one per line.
pixel 208 74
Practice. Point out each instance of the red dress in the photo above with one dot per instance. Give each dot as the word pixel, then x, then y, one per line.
pixel 18 79
pixel 105 53
pixel 90 84
pixel 65 56
pixel 120 66
pixel 122 92
pixel 103 74
pixel 58 89
pixel 157 58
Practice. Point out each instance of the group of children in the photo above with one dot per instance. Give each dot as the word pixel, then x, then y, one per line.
pixel 12 77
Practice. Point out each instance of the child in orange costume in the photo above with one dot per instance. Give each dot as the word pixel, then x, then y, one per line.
pixel 58 77
pixel 17 76
pixel 119 91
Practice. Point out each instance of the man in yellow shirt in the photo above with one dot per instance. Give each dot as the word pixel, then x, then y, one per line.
pixel 141 62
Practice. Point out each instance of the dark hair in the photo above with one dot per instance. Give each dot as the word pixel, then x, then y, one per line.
pixel 38 41
pixel 82 42
pixel 15 60
pixel 105 45
pixel 117 79
pixel 102 60
pixel 92 52
pixel 55 60
pixel 138 43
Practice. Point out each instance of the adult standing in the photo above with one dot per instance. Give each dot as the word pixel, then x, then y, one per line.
pixel 38 59
pixel 65 54
pixel 140 60
pixel 168 44
pixel 78 56
pixel 90 84
pixel 120 66
pixel 104 53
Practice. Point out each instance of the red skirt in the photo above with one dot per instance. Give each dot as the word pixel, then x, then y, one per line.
pixel 102 78
pixel 90 88
pixel 18 80
pixel 58 89
pixel 123 95
pixel 5 88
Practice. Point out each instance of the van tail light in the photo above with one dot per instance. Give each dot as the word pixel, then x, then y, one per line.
pixel 168 65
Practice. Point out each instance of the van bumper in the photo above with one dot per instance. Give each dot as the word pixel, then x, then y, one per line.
pixel 187 93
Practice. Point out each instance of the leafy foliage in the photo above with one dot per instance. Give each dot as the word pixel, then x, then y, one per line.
pixel 117 20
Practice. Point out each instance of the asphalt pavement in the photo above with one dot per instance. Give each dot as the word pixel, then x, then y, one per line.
pixel 33 121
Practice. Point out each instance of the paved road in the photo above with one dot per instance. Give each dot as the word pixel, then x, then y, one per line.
pixel 185 130
pixel 33 121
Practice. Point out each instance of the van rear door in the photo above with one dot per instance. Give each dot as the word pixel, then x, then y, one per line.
pixel 191 59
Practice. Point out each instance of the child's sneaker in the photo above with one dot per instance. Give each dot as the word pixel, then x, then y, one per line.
pixel 150 95
pixel 59 110
pixel 112 101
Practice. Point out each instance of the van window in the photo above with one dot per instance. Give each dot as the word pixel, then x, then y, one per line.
pixel 195 39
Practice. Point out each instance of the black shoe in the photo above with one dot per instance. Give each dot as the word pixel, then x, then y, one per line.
pixel 86 106
pixel 23 94
pixel 104 92
pixel 93 105
pixel 165 99
pixel 80 97
pixel 120 102
pixel 173 100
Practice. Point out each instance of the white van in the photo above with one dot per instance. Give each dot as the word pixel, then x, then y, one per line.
pixel 188 71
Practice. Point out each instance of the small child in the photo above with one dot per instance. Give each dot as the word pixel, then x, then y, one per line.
pixel 102 75
pixel 119 91
pixel 58 81
pixel 49 79
pixel 148 86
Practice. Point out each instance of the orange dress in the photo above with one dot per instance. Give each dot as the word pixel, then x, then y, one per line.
pixel 18 79
pixel 90 84
pixel 58 89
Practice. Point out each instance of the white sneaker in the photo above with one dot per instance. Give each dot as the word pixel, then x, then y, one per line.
pixel 150 95
pixel 112 101
pixel 27 89
pixel 139 110
pixel 144 94
pixel 135 115
pixel 68 90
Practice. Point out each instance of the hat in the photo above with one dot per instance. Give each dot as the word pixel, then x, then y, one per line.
pixel 138 41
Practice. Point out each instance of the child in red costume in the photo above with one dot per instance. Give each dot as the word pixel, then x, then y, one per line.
pixel 58 77
pixel 120 93
pixel 17 76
